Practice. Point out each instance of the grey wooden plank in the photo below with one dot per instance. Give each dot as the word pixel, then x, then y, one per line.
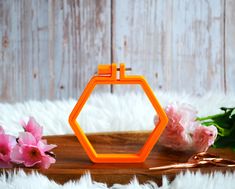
pixel 230 46
pixel 50 49
pixel 177 45
pixel 81 41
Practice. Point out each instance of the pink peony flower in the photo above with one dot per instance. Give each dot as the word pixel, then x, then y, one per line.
pixel 7 143
pixel 174 136
pixel 31 152
pixel 33 127
pixel 183 132
pixel 204 137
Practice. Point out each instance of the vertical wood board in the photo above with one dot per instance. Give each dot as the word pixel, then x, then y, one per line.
pixel 230 46
pixel 50 49
pixel 177 45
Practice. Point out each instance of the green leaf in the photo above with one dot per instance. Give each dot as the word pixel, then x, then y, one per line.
pixel 225 124
pixel 232 115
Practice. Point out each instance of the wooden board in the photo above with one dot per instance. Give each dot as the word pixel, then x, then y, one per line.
pixel 50 49
pixel 229 46
pixel 177 45
pixel 72 162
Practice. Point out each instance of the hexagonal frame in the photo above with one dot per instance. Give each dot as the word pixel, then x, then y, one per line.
pixel 107 74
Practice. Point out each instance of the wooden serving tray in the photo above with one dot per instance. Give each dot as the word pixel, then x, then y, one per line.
pixel 72 161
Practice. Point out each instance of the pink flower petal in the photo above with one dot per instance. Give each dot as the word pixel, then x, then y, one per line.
pixel 7 143
pixel 22 123
pixel 204 137
pixel 17 155
pixel 31 155
pixel 12 141
pixel 183 132
pixel 26 138
pixel 45 147
pixel 4 164
pixel 46 162
pixel 33 127
pixel 30 150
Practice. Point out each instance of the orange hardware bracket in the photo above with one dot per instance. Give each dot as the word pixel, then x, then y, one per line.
pixel 107 74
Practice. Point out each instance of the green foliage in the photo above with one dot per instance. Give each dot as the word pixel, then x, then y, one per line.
pixel 225 124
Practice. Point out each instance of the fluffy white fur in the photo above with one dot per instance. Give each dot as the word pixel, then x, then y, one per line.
pixel 20 180
pixel 107 112
pixel 104 112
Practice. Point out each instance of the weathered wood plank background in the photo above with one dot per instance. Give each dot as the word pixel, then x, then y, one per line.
pixel 49 49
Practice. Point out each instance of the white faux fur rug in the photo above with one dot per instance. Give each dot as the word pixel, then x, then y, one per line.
pixel 107 112
pixel 197 180
pixel 104 112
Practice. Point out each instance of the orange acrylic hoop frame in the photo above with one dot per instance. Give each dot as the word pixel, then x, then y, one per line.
pixel 107 74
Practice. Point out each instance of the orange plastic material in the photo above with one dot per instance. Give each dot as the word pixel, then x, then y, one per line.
pixel 107 74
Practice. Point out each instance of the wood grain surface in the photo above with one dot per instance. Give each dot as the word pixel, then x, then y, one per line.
pixel 230 46
pixel 177 45
pixel 72 161
pixel 49 49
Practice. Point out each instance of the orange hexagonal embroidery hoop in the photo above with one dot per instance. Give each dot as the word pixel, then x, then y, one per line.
pixel 107 74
